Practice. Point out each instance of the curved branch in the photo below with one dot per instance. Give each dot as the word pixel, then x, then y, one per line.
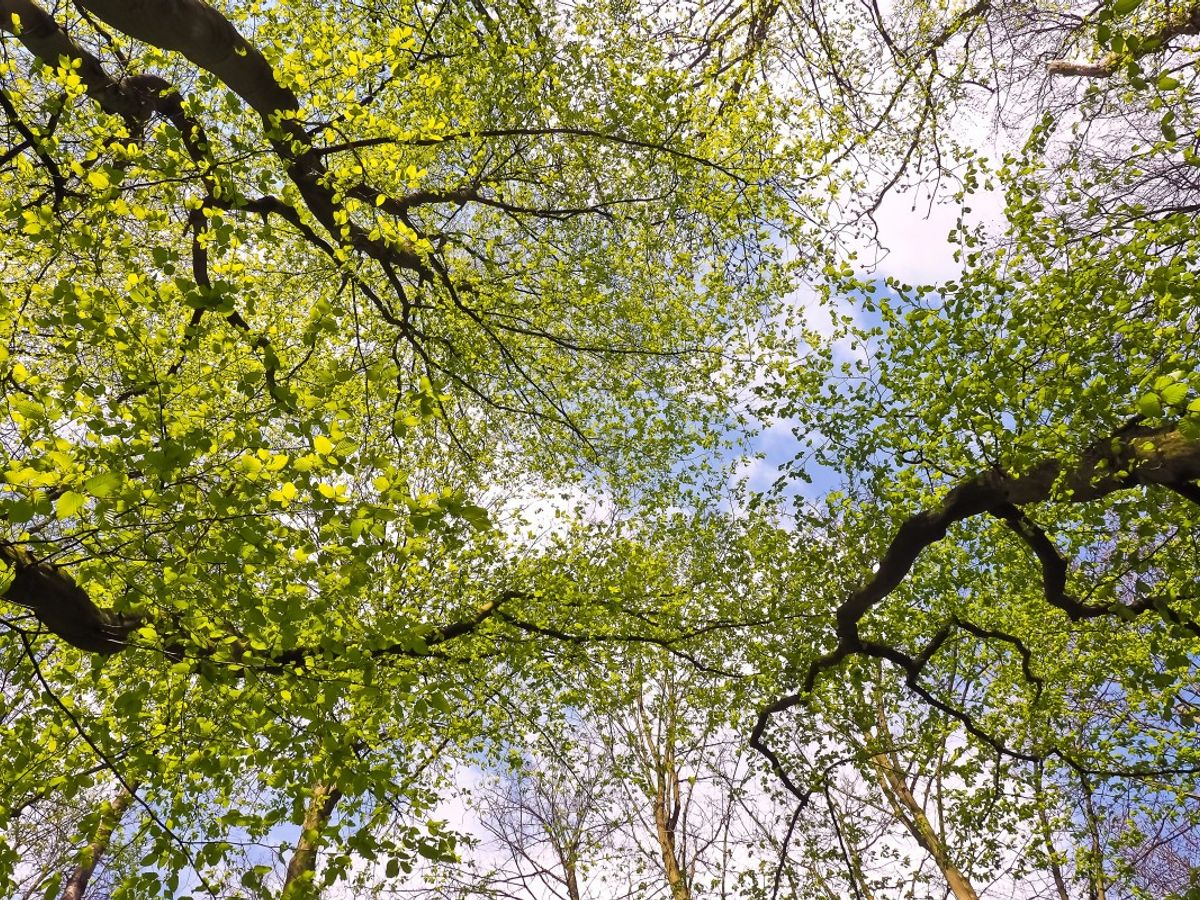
pixel 1184 24
pixel 1054 565
pixel 67 612
pixel 44 38
pixel 1132 457
pixel 208 39
pixel 63 606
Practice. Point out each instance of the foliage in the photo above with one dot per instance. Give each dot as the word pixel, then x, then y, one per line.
pixel 374 374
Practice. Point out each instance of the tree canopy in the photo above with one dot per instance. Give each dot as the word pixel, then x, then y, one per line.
pixel 380 384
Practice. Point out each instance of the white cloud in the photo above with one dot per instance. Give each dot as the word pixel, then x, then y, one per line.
pixel 913 235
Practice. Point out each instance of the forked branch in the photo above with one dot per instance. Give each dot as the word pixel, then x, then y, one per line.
pixel 1135 456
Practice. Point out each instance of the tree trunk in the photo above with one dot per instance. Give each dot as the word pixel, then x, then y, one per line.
pixel 110 817
pixel 912 814
pixel 1060 882
pixel 571 875
pixel 913 817
pixel 1095 869
pixel 301 867
pixel 659 752
pixel 665 831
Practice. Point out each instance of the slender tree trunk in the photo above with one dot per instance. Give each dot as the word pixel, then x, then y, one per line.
pixel 111 813
pixel 658 749
pixel 299 881
pixel 664 823
pixel 1096 881
pixel 912 815
pixel 571 875
pixel 1060 882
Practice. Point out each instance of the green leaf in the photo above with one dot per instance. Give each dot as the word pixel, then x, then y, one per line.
pixel 1167 83
pixel 103 484
pixel 477 516
pixel 69 504
pixel 1150 406
pixel 20 511
pixel 1125 7
pixel 1173 393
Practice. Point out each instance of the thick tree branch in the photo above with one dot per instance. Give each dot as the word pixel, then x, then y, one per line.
pixel 208 39
pixel 1074 68
pixel 301 867
pixel 203 35
pixel 111 813
pixel 1135 456
pixel 1185 23
pixel 43 37
pixel 66 610
pixel 62 605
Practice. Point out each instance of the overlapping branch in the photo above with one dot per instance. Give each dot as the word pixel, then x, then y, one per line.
pixel 1136 456
pixel 1184 24
pixel 323 216
pixel 67 611
pixel 62 606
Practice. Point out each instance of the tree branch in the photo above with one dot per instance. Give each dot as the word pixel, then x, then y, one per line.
pixel 111 812
pixel 63 606
pixel 302 866
pixel 1186 23
pixel 1134 456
